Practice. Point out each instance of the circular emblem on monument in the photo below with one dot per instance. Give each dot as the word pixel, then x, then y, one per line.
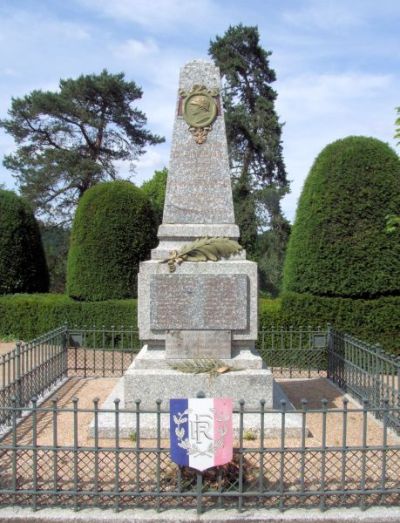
pixel 199 109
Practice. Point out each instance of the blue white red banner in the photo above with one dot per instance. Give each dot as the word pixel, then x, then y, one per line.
pixel 201 432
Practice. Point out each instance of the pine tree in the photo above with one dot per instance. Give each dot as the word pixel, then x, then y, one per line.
pixel 253 133
pixel 68 141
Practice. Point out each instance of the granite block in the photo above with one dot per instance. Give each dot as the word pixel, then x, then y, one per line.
pixel 198 269
pixel 199 183
pixel 198 344
pixel 148 421
pixel 200 301
pixel 157 358
pixel 252 385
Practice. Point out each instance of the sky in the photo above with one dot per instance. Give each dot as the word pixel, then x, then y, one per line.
pixel 337 63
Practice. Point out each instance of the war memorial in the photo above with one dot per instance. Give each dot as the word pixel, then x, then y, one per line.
pixel 152 443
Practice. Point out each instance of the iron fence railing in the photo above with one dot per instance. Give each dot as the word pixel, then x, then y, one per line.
pixel 300 351
pixel 43 466
pixel 364 371
pixel 101 351
pixel 32 368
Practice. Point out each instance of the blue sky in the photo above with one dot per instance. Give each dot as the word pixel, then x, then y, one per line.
pixel 337 63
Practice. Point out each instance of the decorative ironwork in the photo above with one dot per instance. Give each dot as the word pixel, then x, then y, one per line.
pixel 282 473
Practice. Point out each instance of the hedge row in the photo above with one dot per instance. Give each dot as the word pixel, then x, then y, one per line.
pixel 26 316
pixel 376 321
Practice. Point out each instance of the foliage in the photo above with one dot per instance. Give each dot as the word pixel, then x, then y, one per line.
pixel 203 249
pixel 113 230
pixel 397 122
pixel 374 321
pixel 392 223
pixel 249 435
pixel 245 214
pixel 271 249
pixel 67 141
pixel 56 242
pixel 27 316
pixel 22 261
pixel 155 191
pixel 254 137
pixel 338 245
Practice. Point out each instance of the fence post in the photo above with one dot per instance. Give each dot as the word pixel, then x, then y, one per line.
pixel 65 349
pixel 18 386
pixel 398 381
pixel 329 339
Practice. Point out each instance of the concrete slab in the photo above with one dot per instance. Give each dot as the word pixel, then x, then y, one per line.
pixel 95 515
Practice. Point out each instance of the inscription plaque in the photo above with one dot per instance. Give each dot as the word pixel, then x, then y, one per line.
pixel 203 301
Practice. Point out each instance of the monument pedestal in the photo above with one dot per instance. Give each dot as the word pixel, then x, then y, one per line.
pixel 149 384
pixel 164 383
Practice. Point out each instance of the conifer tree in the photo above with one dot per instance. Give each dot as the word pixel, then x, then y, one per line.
pixel 254 136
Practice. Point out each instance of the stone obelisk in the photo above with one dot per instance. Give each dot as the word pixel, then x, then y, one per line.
pixel 203 309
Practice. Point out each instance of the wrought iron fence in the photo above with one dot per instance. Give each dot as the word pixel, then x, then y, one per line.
pixel 101 351
pixel 32 368
pixel 43 467
pixel 300 351
pixel 364 371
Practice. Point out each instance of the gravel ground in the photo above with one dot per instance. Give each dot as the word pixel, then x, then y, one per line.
pixel 313 390
pixel 361 467
pixel 6 346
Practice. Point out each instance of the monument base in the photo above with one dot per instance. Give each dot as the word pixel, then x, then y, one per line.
pixel 150 378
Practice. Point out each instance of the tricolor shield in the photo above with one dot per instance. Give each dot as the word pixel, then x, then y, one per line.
pixel 201 432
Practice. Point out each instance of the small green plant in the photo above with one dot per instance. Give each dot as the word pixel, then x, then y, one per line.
pixel 249 435
pixel 132 437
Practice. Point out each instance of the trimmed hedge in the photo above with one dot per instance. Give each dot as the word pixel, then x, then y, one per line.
pixel 113 230
pixel 338 245
pixel 378 321
pixel 23 265
pixel 26 316
pixel 374 321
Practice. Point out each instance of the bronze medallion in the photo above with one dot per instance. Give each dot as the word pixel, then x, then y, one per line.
pixel 199 110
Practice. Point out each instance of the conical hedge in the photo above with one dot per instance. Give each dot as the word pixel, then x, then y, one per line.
pixel 113 230
pixel 23 265
pixel 338 245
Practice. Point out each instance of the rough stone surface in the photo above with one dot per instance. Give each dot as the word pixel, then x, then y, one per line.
pixel 183 344
pixel 180 515
pixel 148 420
pixel 150 384
pixel 199 185
pixel 197 269
pixel 152 358
pixel 200 301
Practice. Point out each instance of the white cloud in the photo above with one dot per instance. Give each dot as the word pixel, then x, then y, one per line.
pixel 156 15
pixel 132 50
pixel 143 168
